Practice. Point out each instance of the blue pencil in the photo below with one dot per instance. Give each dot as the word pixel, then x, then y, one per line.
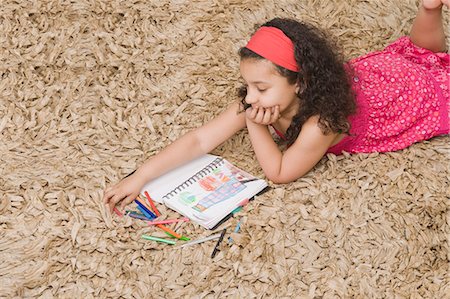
pixel 147 216
pixel 236 229
pixel 145 211
pixel 153 216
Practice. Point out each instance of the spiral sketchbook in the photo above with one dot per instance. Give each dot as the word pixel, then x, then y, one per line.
pixel 206 189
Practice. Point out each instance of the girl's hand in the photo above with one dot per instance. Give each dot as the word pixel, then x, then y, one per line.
pixel 124 191
pixel 263 116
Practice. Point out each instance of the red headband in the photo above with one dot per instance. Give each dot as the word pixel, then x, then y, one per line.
pixel 272 44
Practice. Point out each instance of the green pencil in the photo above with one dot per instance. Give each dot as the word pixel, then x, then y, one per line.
pixel 183 238
pixel 158 239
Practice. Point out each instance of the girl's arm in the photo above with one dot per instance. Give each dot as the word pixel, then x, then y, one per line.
pixel 310 146
pixel 188 147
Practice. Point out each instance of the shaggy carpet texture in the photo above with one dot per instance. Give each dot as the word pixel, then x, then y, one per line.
pixel 90 89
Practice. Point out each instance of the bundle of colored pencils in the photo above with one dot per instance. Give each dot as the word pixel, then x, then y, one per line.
pixel 148 212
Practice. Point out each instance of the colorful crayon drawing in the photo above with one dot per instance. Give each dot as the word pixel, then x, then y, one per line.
pixel 237 173
pixel 221 175
pixel 188 198
pixel 227 190
pixel 219 185
pixel 209 183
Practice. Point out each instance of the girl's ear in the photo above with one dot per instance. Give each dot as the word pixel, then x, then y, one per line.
pixel 297 87
pixel 300 86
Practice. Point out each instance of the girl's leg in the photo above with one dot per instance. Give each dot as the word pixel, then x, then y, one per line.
pixel 427 30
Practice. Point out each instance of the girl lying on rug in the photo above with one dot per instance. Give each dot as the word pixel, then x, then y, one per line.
pixel 298 86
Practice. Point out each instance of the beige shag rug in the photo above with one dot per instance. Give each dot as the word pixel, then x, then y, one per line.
pixel 90 89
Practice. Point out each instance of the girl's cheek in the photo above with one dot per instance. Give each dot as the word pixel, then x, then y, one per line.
pixel 267 103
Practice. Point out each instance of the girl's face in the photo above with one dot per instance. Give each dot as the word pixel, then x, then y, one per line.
pixel 266 87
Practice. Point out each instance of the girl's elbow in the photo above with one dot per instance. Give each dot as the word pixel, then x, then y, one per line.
pixel 280 179
pixel 284 178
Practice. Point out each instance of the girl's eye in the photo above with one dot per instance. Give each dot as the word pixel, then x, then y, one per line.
pixel 262 89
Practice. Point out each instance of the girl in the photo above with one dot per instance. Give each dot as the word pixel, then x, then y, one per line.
pixel 299 87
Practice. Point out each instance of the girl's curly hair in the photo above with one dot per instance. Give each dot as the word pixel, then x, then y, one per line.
pixel 325 87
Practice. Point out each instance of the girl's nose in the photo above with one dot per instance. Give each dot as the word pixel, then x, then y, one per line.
pixel 250 98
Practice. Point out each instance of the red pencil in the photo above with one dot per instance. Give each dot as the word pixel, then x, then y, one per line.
pixel 117 212
pixel 150 201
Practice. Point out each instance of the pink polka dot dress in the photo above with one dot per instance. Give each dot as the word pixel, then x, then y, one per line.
pixel 402 94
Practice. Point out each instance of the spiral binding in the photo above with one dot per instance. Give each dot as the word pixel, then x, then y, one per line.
pixel 198 175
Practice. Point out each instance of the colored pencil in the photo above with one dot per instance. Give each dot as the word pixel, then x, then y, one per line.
pixel 134 212
pixel 158 239
pixel 213 237
pixel 117 212
pixel 216 248
pixel 236 229
pixel 166 229
pixel 182 237
pixel 144 208
pixel 147 215
pixel 185 219
pixel 152 204
pixel 144 203
pixel 137 216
